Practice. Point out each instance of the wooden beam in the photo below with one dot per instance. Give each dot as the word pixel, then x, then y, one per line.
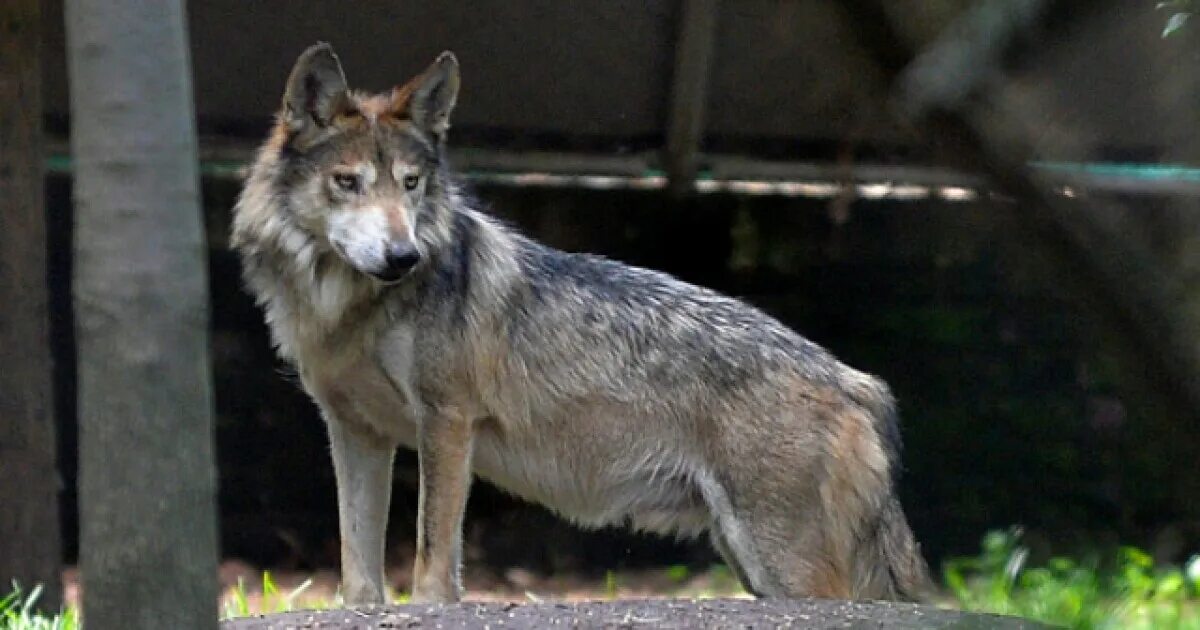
pixel 689 92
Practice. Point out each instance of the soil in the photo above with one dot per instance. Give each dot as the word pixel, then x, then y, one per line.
pixel 677 613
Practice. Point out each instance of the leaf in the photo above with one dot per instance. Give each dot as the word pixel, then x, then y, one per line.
pixel 1169 585
pixel 1179 6
pixel 268 584
pixel 677 573
pixel 1015 563
pixel 1137 557
pixel 1192 570
pixel 290 602
pixel 1175 23
pixel 240 602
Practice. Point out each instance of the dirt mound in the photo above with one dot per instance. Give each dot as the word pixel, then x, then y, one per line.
pixel 714 613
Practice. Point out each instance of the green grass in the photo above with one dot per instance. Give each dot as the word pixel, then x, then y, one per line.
pixel 17 612
pixel 611 586
pixel 1127 592
pixel 272 601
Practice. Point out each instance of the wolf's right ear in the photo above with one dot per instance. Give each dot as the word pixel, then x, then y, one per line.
pixel 316 91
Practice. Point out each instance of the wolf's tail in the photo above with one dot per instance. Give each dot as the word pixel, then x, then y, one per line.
pixel 887 559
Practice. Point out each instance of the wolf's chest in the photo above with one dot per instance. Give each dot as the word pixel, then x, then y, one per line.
pixel 364 395
pixel 363 375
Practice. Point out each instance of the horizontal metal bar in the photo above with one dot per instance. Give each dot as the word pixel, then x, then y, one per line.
pixel 222 159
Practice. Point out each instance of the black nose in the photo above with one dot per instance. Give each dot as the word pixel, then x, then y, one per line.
pixel 401 257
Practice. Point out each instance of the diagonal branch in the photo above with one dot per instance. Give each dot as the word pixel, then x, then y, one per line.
pixel 949 92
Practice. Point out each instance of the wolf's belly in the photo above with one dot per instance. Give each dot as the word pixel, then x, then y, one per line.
pixel 593 485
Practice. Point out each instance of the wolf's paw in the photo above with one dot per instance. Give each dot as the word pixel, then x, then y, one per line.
pixel 432 593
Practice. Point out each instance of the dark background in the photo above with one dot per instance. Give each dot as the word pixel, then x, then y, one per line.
pixel 1014 411
pixel 1017 408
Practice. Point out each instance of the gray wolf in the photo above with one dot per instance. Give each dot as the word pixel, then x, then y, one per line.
pixel 609 393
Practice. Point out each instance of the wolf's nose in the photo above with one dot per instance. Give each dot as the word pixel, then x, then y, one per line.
pixel 402 257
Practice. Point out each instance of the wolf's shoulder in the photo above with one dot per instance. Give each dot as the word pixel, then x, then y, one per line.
pixel 599 276
pixel 591 280
pixel 657 310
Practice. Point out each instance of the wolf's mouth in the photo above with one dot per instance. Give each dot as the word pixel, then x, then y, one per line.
pixel 389 276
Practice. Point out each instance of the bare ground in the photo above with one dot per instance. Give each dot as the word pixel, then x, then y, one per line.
pixel 242 586
pixel 679 613
pixel 516 598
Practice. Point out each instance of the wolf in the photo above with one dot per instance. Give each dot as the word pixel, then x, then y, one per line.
pixel 611 394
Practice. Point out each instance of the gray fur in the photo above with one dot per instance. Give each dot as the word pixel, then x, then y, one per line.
pixel 609 393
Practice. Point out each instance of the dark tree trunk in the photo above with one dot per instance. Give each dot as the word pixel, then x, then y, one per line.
pixel 148 550
pixel 29 484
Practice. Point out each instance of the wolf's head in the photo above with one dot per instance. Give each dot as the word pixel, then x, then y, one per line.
pixel 357 170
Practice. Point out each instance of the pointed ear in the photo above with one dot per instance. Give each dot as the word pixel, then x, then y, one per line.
pixel 428 99
pixel 316 90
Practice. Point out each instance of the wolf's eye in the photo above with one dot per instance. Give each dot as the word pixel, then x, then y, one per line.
pixel 346 182
pixel 410 182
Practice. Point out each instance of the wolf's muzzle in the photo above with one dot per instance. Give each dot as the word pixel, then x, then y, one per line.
pixel 399 259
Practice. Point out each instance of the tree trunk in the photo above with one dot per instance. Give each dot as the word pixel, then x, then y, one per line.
pixel 146 481
pixel 29 484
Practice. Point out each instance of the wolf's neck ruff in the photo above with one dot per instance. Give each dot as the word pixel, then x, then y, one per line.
pixel 308 294
pixel 311 296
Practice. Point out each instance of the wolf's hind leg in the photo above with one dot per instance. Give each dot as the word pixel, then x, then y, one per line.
pixel 734 543
pixel 797 550
pixel 722 546
pixel 776 546
pixel 362 464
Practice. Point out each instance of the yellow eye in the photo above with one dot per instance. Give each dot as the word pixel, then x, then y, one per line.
pixel 410 181
pixel 347 182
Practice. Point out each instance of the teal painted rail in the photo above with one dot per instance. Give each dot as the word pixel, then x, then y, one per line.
pixel 1114 176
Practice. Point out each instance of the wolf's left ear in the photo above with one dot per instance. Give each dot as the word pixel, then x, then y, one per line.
pixel 429 98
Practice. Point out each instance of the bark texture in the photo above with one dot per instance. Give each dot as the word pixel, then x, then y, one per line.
pixel 147 512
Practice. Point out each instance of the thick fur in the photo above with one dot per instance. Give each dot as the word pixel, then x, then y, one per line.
pixel 608 393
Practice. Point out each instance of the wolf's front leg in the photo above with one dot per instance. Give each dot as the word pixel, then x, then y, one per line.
pixel 362 463
pixel 444 452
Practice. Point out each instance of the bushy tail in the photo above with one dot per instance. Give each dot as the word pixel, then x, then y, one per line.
pixel 889 559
